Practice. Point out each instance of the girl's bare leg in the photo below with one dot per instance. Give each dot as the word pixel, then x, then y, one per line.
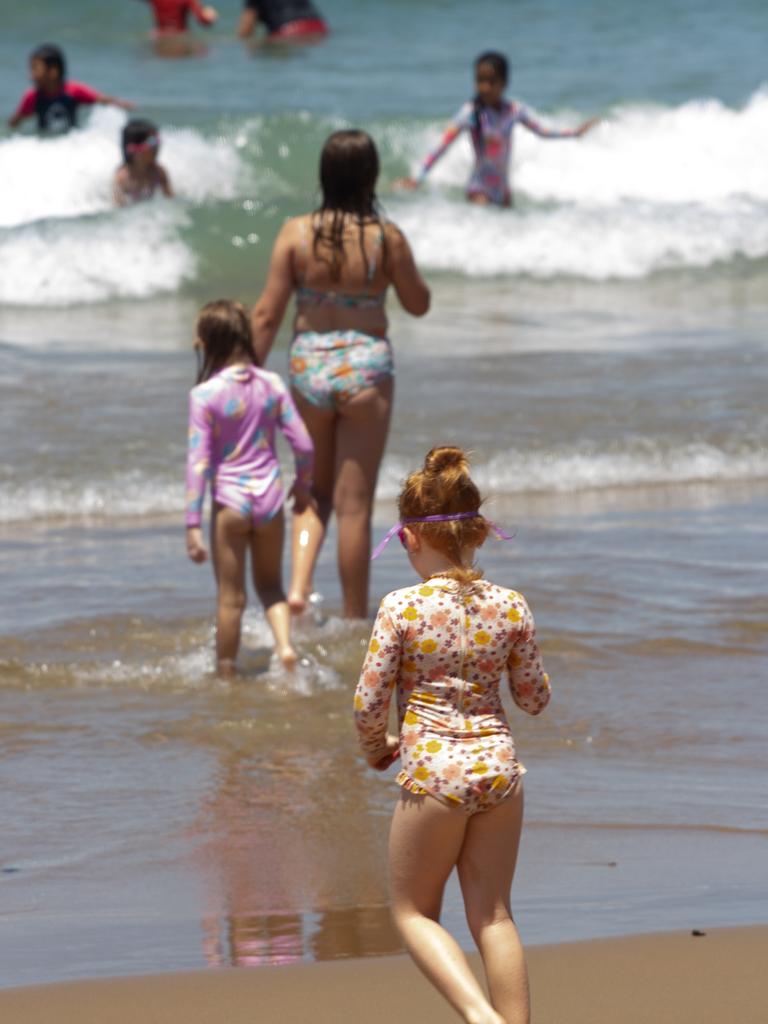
pixel 486 866
pixel 267 559
pixel 229 543
pixel 309 526
pixel 361 437
pixel 425 841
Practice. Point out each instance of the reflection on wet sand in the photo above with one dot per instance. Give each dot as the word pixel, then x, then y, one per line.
pixel 292 860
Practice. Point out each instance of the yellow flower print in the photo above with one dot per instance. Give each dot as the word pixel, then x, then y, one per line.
pixel 410 613
pixel 482 637
pixel 359 702
pixel 410 718
pixel 514 615
pixel 499 782
pixel 515 659
pixel 453 799
pixel 409 666
pixel 421 774
pixel 433 746
pixel 426 591
pixel 374 646
pixel 427 646
pixel 480 767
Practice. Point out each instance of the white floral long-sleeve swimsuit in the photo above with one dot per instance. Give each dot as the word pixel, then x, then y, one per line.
pixel 446 648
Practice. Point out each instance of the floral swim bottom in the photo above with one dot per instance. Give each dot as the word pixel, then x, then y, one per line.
pixel 329 369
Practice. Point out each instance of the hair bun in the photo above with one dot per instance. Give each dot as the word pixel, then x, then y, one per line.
pixel 447 457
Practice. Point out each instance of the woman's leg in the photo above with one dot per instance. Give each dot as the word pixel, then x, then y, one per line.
pixel 267 560
pixel 229 543
pixel 309 526
pixel 424 842
pixel 361 436
pixel 486 866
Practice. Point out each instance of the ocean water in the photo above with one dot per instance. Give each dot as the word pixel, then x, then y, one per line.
pixel 601 349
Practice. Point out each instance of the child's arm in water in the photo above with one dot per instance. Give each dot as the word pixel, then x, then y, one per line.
pixel 528 682
pixel 249 19
pixel 537 128
pixel 25 109
pixel 459 124
pixel 297 435
pixel 165 182
pixel 119 191
pixel 374 692
pixel 198 473
pixel 270 307
pixel 205 15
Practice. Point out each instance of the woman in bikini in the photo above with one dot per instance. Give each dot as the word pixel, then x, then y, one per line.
pixel 339 261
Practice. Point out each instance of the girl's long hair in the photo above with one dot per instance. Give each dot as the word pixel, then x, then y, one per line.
pixel 500 67
pixel 349 167
pixel 443 485
pixel 224 328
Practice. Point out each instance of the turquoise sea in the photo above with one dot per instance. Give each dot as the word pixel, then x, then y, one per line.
pixel 601 349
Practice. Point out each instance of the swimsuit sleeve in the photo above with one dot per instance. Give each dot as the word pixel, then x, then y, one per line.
pixel 82 93
pixel 198 457
pixel 459 124
pixel 26 107
pixel 377 680
pixel 297 435
pixel 528 682
pixel 525 117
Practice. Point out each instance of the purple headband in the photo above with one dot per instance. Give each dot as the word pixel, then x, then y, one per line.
pixel 434 519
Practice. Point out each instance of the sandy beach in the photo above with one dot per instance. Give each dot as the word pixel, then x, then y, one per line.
pixel 677 977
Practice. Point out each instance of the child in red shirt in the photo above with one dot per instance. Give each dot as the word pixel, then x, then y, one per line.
pixel 173 15
pixel 54 100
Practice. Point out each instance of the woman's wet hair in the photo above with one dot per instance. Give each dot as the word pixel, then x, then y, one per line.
pixel 500 67
pixel 349 168
pixel 52 56
pixel 136 132
pixel 224 328
pixel 442 486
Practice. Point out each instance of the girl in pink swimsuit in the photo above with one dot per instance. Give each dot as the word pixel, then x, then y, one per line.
pixel 443 646
pixel 234 412
pixel 490 120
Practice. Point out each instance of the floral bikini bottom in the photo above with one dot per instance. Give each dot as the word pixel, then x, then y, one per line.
pixel 329 369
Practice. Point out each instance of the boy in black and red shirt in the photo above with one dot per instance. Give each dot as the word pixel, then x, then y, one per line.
pixel 54 100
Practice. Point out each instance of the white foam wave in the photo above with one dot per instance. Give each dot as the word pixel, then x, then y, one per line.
pixel 627 241
pixel 131 494
pixel 649 189
pixel 561 470
pixel 72 176
pixel 134 253
pixel 569 471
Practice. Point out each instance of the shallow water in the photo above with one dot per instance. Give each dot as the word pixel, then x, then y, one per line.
pixel 601 349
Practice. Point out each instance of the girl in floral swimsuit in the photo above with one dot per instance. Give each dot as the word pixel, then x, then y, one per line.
pixel 444 645
pixel 490 120
pixel 339 262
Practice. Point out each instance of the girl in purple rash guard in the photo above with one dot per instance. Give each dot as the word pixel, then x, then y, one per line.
pixel 233 414
pixel 490 120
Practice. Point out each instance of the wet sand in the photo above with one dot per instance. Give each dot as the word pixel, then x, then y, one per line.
pixel 675 977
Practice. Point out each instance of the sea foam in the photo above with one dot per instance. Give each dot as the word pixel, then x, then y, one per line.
pixel 649 189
